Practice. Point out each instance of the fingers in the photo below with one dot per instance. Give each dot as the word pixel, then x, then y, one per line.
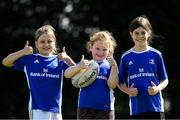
pixel 132 85
pixel 152 83
pixel 27 49
pixel 64 49
pixel 133 91
pixel 153 89
pixel 82 58
pixel 27 44
pixel 111 60
pixel 110 54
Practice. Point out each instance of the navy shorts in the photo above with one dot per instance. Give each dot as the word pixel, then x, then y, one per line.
pixel 150 115
pixel 85 113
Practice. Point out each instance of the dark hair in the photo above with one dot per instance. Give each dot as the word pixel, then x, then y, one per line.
pixel 141 21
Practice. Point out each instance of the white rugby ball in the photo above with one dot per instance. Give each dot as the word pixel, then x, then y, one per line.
pixel 86 76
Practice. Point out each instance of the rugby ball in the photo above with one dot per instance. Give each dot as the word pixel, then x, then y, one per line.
pixel 86 76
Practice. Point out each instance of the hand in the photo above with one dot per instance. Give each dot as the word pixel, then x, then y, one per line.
pixel 27 50
pixel 153 89
pixel 84 63
pixel 111 61
pixel 132 91
pixel 63 55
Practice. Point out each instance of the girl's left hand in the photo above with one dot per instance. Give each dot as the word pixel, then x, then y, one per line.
pixel 153 89
pixel 63 55
pixel 111 61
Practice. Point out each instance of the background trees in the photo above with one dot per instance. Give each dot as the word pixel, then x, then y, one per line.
pixel 74 21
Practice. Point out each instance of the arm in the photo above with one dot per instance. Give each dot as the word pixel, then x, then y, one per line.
pixel 63 56
pixel 113 78
pixel 11 58
pixel 162 75
pixel 73 70
pixel 153 90
pixel 163 85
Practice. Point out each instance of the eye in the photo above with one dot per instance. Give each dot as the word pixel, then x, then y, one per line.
pixel 97 48
pixel 136 33
pixel 42 41
pixel 143 33
pixel 105 50
pixel 50 41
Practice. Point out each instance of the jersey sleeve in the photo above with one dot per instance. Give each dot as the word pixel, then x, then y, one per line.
pixel 20 63
pixel 162 74
pixel 122 71
pixel 65 66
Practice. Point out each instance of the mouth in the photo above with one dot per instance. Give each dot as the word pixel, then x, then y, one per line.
pixel 100 56
pixel 46 49
pixel 140 40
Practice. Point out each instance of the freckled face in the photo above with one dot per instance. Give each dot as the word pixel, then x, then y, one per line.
pixel 100 50
pixel 45 44
pixel 140 36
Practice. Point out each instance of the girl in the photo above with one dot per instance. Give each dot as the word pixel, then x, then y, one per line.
pixel 44 72
pixel 97 100
pixel 142 69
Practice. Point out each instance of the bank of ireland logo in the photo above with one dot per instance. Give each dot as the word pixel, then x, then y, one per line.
pixel 45 70
pixel 141 70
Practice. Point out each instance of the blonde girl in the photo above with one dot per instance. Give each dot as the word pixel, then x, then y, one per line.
pixel 44 73
pixel 97 100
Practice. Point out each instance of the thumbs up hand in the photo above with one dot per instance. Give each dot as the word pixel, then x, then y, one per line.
pixel 63 55
pixel 84 63
pixel 27 50
pixel 153 89
pixel 132 91
pixel 111 61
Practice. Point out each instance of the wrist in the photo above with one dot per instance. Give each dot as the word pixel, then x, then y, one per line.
pixel 158 89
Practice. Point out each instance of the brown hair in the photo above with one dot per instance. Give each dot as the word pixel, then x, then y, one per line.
pixel 46 29
pixel 142 21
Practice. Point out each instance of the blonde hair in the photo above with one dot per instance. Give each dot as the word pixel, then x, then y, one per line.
pixel 102 36
pixel 46 29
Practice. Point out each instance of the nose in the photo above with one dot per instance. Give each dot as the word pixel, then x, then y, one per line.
pixel 46 44
pixel 101 52
pixel 140 35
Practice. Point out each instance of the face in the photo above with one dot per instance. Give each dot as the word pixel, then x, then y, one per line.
pixel 45 44
pixel 100 50
pixel 140 37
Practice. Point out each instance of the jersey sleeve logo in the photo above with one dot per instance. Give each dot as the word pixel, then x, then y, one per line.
pixel 130 63
pixel 151 61
pixel 36 61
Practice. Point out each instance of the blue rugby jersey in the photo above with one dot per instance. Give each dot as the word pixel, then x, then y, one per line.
pixel 98 95
pixel 45 77
pixel 141 68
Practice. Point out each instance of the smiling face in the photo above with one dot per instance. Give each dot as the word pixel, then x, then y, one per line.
pixel 140 37
pixel 46 44
pixel 100 50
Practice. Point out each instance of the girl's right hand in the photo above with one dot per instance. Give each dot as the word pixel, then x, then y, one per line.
pixel 84 63
pixel 27 50
pixel 132 91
